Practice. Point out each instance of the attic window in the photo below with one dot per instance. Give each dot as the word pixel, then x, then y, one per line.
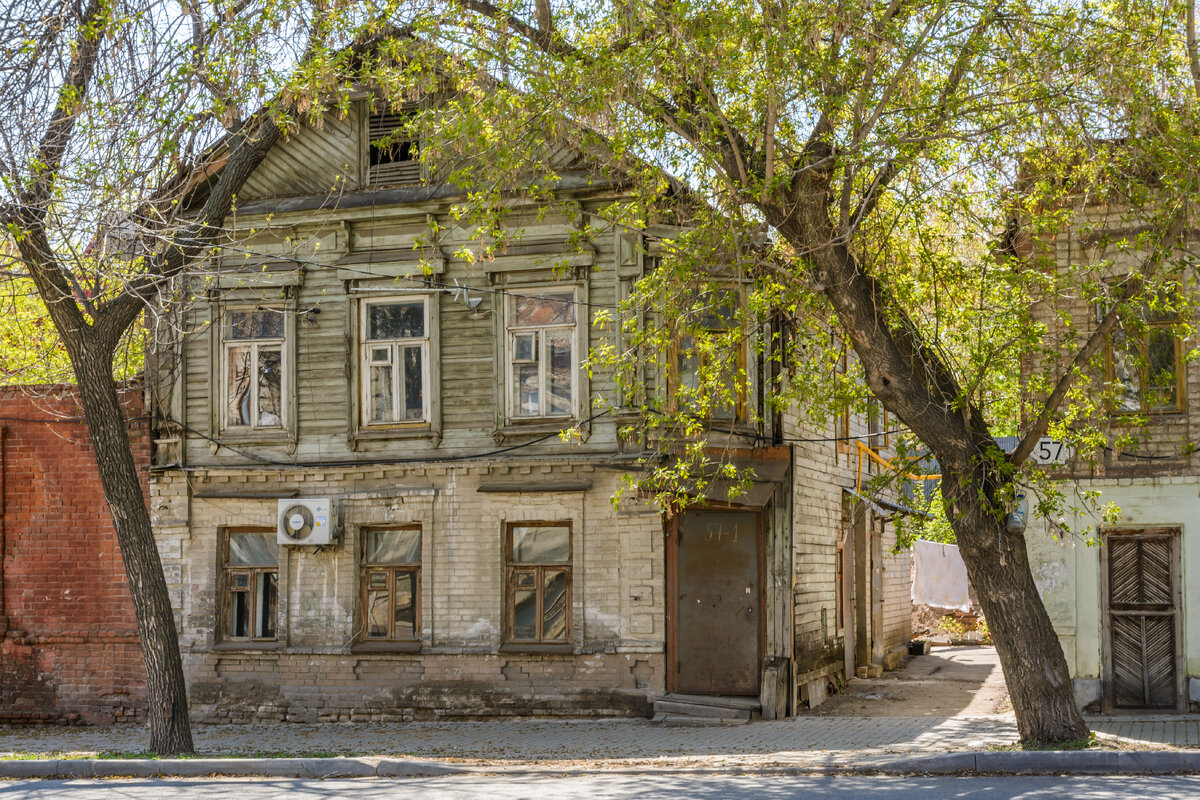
pixel 394 154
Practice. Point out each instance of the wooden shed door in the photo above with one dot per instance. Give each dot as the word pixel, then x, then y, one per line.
pixel 716 603
pixel 1142 625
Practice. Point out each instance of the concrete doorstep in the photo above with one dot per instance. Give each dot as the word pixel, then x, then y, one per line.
pixel 1037 762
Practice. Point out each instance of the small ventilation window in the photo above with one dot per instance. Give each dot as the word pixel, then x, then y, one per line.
pixel 395 154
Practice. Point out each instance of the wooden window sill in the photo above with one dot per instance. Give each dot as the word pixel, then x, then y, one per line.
pixel 400 433
pixel 272 436
pixel 514 431
pixel 1127 417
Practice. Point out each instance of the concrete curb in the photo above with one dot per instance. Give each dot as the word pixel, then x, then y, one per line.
pixel 1003 762
pixel 231 767
pixel 1043 762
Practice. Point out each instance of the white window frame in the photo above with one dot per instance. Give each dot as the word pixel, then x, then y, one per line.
pixel 395 345
pixel 285 366
pixel 513 332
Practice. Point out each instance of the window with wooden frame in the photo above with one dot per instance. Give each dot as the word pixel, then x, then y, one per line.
pixel 879 437
pixel 254 364
pixel 700 370
pixel 251 583
pixel 541 354
pixel 390 580
pixel 394 362
pixel 1145 361
pixel 394 151
pixel 538 562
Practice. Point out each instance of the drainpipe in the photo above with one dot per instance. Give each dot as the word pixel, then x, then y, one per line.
pixel 3 519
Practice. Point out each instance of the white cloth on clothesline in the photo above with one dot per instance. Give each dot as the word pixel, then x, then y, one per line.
pixel 939 576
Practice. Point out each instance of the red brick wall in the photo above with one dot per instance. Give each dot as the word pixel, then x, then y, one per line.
pixel 69 650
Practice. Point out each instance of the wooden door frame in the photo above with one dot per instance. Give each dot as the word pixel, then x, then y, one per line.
pixel 1175 532
pixel 671 646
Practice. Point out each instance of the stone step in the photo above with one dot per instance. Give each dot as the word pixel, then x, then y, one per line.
pixel 722 701
pixel 684 721
pixel 663 706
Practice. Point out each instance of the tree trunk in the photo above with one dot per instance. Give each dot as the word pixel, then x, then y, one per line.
pixel 1035 669
pixel 165 687
pixel 916 386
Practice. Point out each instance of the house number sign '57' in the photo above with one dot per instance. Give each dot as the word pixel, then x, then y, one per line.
pixel 1052 451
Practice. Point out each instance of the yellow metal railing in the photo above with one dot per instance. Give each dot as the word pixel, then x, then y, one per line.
pixel 884 462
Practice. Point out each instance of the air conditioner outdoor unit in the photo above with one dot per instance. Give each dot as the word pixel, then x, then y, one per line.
pixel 304 523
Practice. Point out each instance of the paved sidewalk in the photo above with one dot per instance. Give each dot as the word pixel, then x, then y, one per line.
pixel 872 722
pixel 789 741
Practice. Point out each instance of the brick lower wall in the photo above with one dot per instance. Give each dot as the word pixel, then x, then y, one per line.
pixel 69 650
pixel 311 671
pixel 249 687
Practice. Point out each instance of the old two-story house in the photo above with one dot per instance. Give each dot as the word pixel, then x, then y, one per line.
pixel 1122 609
pixel 366 511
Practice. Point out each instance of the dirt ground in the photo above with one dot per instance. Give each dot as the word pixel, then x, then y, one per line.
pixel 950 681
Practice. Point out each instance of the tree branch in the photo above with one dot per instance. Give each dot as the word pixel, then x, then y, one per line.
pixel 66 111
pixel 1094 341
pixel 246 152
pixel 1193 54
pixel 50 279
pixel 897 164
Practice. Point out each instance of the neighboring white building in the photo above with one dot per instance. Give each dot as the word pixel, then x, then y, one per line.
pixel 1123 609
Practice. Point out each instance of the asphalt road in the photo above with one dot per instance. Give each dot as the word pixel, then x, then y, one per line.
pixel 605 787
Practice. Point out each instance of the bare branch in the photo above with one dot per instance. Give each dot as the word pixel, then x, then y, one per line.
pixel 246 151
pixel 66 110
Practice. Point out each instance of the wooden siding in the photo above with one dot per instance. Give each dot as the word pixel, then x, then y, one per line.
pixel 1165 442
pixel 325 367
pixel 311 161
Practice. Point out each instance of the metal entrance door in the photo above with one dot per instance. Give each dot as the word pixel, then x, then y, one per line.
pixel 717 603
pixel 1141 625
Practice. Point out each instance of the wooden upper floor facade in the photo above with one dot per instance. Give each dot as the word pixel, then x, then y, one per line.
pixel 1141 391
pixel 349 314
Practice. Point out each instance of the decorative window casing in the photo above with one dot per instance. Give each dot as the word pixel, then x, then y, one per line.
pixel 390 584
pixel 394 363
pixel 254 368
pixel 1145 361
pixel 541 354
pixel 251 582
pixel 538 603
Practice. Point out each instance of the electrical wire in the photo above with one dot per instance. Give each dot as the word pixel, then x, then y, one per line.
pixel 372 461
